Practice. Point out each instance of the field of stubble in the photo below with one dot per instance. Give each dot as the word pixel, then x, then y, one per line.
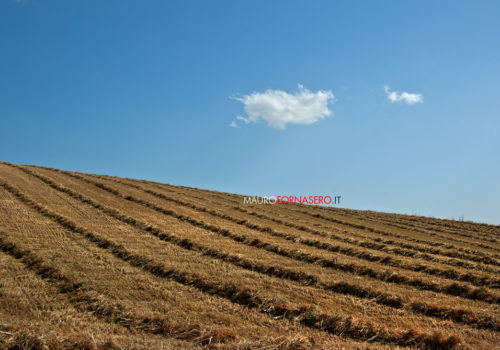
pixel 100 262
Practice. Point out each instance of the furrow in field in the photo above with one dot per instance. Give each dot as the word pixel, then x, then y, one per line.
pixel 446 238
pixel 408 250
pixel 419 245
pixel 477 227
pixel 89 300
pixel 458 315
pixel 422 228
pixel 473 228
pixel 432 227
pixel 236 199
pixel 451 274
pixel 153 295
pixel 199 235
pixel 34 315
pixel 454 289
pixel 237 294
pixel 431 242
pixel 356 329
pixel 463 253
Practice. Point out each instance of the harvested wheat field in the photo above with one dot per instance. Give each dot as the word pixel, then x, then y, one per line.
pixel 94 261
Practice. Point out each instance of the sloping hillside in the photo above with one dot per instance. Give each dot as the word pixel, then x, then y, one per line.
pixel 94 261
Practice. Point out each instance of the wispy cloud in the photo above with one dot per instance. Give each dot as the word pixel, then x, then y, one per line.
pixel 243 119
pixel 405 97
pixel 233 124
pixel 279 108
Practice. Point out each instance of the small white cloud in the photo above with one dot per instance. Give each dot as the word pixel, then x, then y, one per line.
pixel 233 124
pixel 406 97
pixel 245 120
pixel 279 108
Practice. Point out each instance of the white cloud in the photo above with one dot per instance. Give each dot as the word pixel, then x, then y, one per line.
pixel 406 97
pixel 245 120
pixel 279 108
pixel 233 124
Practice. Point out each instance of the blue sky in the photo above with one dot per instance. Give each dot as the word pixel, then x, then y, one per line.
pixel 148 89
